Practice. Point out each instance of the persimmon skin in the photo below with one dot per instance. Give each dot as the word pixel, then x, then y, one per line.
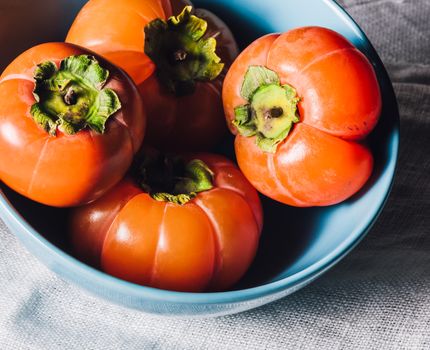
pixel 320 162
pixel 191 123
pixel 64 170
pixel 311 168
pixel 338 86
pixel 205 244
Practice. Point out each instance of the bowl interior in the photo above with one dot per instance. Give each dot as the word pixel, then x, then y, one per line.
pixel 293 239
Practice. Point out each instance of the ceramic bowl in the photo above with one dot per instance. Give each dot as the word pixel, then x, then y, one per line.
pixel 293 251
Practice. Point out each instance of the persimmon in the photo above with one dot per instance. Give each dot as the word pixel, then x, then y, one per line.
pixel 70 124
pixel 178 61
pixel 300 104
pixel 188 224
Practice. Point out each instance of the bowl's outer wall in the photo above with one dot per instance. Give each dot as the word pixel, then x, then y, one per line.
pixel 325 235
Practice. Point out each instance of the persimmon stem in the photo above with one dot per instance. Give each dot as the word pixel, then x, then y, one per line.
pixel 180 55
pixel 72 97
pixel 171 179
pixel 182 51
pixel 274 112
pixel 271 110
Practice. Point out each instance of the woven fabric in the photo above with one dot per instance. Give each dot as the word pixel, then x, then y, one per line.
pixel 376 298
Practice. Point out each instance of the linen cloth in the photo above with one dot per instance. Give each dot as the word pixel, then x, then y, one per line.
pixel 376 298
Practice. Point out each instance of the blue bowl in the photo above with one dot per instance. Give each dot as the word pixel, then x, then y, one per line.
pixel 290 256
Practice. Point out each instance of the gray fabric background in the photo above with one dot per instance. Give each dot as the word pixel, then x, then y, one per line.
pixel 376 298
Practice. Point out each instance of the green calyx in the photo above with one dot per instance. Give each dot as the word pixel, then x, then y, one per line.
pixel 271 111
pixel 181 52
pixel 172 180
pixel 72 97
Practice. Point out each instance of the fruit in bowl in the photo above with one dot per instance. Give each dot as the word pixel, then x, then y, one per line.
pixel 298 103
pixel 176 55
pixel 296 244
pixel 187 225
pixel 70 124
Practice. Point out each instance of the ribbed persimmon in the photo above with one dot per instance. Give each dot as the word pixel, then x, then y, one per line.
pixel 178 61
pixel 192 230
pixel 300 103
pixel 70 124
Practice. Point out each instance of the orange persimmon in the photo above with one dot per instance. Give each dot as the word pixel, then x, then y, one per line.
pixel 70 124
pixel 299 103
pixel 186 225
pixel 178 63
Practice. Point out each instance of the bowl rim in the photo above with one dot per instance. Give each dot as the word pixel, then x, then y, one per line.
pixel 26 232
